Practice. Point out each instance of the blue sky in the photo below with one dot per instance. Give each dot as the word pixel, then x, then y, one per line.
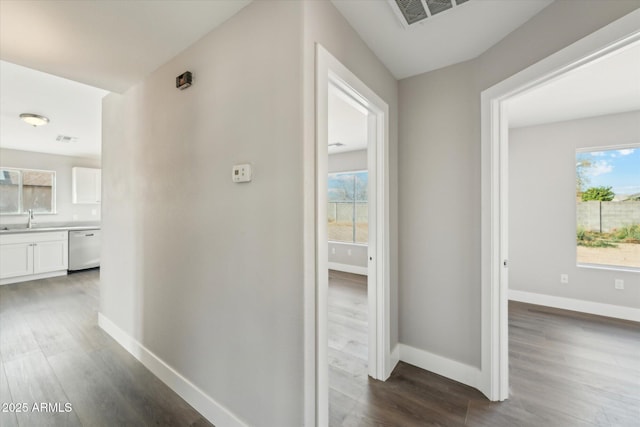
pixel 619 169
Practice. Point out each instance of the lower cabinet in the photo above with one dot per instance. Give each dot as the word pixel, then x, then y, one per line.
pixel 33 255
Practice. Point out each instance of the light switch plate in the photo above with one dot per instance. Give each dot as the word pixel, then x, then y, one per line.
pixel 241 173
pixel 619 284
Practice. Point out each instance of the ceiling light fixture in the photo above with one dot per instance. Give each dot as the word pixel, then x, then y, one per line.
pixel 336 144
pixel 34 119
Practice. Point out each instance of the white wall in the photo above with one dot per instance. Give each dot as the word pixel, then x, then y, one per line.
pixel 345 254
pixel 66 211
pixel 204 273
pixel 439 168
pixel 439 219
pixel 348 161
pixel 542 209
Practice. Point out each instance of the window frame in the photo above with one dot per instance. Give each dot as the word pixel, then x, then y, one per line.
pixel 597 266
pixel 353 226
pixel 21 210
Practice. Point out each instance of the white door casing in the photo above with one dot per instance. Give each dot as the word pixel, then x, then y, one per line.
pixel 494 158
pixel 329 71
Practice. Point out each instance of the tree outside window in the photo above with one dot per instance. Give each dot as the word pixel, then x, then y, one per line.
pixel 608 207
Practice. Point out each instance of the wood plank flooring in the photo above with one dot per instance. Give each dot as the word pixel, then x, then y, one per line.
pixel 566 369
pixel 52 351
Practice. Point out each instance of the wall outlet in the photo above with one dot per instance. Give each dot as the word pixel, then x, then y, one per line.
pixel 75 217
pixel 564 278
pixel 94 212
pixel 349 252
pixel 619 283
pixel 333 251
pixel 241 173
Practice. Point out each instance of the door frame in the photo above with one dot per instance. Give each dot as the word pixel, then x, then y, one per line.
pixel 494 186
pixel 329 71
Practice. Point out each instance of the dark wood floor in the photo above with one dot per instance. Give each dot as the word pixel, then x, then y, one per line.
pixel 52 351
pixel 566 369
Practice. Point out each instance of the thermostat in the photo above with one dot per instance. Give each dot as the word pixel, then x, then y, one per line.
pixel 241 173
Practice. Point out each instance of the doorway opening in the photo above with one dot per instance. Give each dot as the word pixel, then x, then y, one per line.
pixel 335 82
pixel 348 230
pixel 495 155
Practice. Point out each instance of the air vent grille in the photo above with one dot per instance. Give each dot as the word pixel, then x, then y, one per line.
pixel 412 10
pixel 437 6
pixel 66 138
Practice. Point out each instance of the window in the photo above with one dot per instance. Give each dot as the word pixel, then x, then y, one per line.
pixel 24 189
pixel 608 207
pixel 348 210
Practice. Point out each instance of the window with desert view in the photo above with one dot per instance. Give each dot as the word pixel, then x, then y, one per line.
pixel 348 210
pixel 608 207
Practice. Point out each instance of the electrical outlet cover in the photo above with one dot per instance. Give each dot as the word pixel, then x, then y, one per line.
pixel 241 173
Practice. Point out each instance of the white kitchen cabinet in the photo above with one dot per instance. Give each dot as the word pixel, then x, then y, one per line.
pixel 86 185
pixel 33 255
pixel 16 260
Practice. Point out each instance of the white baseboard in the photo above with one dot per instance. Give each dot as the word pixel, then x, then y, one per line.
pixel 355 269
pixel 600 309
pixel 394 359
pixel 30 277
pixel 461 372
pixel 203 403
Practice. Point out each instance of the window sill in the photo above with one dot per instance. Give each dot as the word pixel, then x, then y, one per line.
pixel 610 267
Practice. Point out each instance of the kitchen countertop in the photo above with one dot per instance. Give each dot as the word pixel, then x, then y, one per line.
pixel 13 229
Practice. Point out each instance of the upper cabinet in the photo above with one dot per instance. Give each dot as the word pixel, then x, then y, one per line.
pixel 87 183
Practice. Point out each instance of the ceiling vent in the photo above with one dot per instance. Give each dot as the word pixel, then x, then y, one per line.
pixel 413 11
pixel 66 138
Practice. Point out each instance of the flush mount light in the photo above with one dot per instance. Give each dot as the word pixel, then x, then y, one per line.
pixel 336 144
pixel 34 119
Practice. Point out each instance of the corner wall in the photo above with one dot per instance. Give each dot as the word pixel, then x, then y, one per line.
pixel 201 276
pixel 542 241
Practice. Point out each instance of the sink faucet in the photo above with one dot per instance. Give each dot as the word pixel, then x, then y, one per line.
pixel 30 223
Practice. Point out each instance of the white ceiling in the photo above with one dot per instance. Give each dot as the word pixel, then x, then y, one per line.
pixel 610 85
pixel 74 109
pixel 452 36
pixel 347 123
pixel 104 43
pixel 115 44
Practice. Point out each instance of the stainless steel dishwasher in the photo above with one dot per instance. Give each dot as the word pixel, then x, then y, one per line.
pixel 84 249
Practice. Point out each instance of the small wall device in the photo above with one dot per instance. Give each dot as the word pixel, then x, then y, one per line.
pixel 184 80
pixel 241 173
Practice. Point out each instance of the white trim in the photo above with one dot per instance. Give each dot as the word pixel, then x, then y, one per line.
pixel 457 371
pixel 203 403
pixel 609 267
pixel 329 71
pixel 395 358
pixel 19 279
pixel 590 307
pixel 355 269
pixel 494 356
